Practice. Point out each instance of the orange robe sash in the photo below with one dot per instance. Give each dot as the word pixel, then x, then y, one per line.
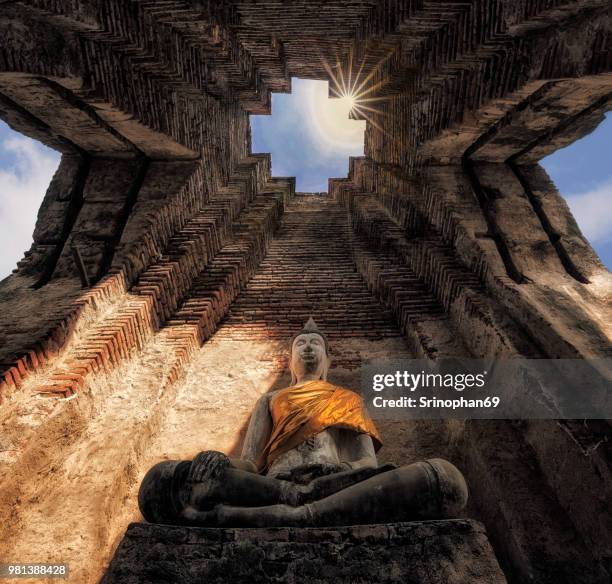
pixel 304 410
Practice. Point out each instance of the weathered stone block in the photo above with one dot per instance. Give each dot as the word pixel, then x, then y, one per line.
pixel 423 552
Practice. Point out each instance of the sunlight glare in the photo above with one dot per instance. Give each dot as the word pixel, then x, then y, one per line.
pixel 348 101
pixel 331 118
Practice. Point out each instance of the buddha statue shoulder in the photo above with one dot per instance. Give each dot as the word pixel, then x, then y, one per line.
pixel 309 459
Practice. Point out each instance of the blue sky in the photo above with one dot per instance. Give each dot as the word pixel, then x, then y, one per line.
pixel 310 137
pixel 582 172
pixel 26 169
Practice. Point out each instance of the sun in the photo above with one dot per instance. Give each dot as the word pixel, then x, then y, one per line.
pixel 331 120
pixel 351 86
pixel 348 102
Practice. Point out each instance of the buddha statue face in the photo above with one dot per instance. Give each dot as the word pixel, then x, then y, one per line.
pixel 309 359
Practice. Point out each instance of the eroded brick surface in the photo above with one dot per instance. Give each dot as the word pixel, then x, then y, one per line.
pixel 449 552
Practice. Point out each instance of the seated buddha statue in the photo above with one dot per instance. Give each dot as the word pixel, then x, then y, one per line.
pixel 309 459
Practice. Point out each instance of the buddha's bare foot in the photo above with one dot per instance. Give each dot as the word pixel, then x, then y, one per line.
pixel 207 465
pixel 204 518
pixel 453 490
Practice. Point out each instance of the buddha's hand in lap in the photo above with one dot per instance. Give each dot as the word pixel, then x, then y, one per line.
pixel 307 472
pixel 207 465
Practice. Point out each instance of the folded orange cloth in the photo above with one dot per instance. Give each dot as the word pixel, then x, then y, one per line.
pixel 303 410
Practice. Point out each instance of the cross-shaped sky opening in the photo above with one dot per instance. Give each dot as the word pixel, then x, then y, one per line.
pixel 309 135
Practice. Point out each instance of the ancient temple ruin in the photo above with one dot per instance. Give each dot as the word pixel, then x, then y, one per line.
pixel 169 267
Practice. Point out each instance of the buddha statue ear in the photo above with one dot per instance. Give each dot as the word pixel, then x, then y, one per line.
pixel 326 367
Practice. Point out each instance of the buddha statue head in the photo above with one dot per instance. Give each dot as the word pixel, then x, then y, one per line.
pixel 310 359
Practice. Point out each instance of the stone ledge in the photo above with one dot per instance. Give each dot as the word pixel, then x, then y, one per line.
pixel 424 552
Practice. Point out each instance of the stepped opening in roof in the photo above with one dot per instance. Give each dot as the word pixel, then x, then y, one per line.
pixel 309 135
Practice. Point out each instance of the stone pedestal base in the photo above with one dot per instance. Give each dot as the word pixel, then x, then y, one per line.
pixel 424 552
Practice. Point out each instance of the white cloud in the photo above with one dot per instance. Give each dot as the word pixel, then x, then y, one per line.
pixel 22 188
pixel 593 212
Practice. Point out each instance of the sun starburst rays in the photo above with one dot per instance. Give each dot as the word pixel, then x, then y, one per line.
pixel 358 95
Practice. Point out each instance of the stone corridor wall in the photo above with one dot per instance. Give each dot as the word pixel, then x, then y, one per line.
pixel 169 268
